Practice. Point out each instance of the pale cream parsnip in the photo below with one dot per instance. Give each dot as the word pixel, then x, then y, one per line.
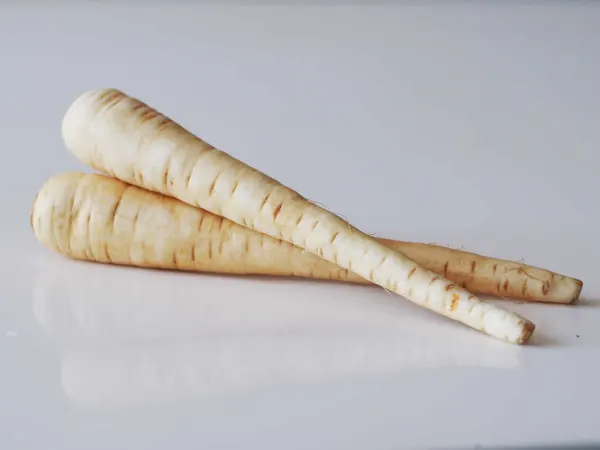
pixel 122 136
pixel 153 230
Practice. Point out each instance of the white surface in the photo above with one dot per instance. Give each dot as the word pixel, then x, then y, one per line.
pixel 467 125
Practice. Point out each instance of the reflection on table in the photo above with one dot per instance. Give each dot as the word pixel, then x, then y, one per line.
pixel 133 337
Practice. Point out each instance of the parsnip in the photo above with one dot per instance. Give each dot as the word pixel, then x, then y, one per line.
pixel 492 276
pixel 121 136
pixel 154 230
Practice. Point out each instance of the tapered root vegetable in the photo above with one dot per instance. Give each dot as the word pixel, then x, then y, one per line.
pixel 123 137
pixel 76 214
pixel 491 276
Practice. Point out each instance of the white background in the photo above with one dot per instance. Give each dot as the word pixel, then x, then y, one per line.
pixel 461 123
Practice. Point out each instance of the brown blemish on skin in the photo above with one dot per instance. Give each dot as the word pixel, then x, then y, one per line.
pixel 528 329
pixel 110 98
pixel 524 287
pixel 454 303
pixel 212 186
pixel 334 237
pixel 114 213
pixel 498 287
pixel 88 221
pixel 411 273
pixel 299 219
pixel 106 95
pixel 69 230
pixel 264 202
pixel 165 176
pixel 446 269
pixel 220 221
pixel 113 102
pixel 545 287
pixel 473 266
pixel 495 266
pixel 335 258
pixel 134 221
pixel 106 252
pixel 523 271
pixel 148 115
pixel 163 124
pixel 372 274
pixel 505 285
pixel 276 211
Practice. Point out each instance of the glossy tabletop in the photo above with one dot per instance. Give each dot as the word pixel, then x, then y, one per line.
pixel 468 125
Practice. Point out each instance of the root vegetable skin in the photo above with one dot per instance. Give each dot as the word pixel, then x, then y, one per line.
pixel 123 137
pixel 491 276
pixel 76 214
